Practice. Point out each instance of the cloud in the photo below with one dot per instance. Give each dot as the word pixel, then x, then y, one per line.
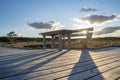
pixel 107 30
pixel 97 19
pixel 52 25
pixel 21 35
pixel 88 9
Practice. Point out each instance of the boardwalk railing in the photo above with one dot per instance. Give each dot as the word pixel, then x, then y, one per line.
pixel 61 34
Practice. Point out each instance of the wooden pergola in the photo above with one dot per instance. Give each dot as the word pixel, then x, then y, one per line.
pixel 66 33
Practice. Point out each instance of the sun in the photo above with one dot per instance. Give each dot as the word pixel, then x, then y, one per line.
pixel 84 32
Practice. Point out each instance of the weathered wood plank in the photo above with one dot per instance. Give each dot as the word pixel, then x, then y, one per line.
pixel 60 69
pixel 60 65
pixel 118 78
pixel 38 58
pixel 53 71
pixel 108 75
pixel 65 63
pixel 92 72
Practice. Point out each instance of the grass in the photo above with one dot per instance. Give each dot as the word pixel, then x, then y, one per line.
pixel 75 43
pixel 22 44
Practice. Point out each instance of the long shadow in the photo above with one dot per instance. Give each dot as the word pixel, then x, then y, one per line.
pixel 7 66
pixel 80 70
pixel 33 68
pixel 34 58
pixel 23 57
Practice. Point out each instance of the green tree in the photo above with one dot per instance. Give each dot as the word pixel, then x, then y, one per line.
pixel 11 36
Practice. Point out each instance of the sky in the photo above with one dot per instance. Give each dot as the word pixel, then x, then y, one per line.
pixel 27 18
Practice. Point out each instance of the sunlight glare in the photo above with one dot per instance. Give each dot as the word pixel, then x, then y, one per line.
pixel 84 32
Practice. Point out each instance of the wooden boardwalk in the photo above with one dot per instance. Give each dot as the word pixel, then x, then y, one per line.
pixel 51 64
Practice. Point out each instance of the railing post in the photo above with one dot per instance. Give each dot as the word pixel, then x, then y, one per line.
pixel 60 41
pixel 69 41
pixel 44 41
pixel 52 45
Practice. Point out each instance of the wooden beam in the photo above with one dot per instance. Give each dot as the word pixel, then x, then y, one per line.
pixel 44 41
pixel 69 41
pixel 52 45
pixel 85 29
pixel 60 42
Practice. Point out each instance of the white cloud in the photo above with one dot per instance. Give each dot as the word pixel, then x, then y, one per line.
pixel 80 26
pixel 97 19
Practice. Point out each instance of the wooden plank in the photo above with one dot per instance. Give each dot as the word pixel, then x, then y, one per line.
pixel 22 54
pixel 62 64
pixel 55 65
pixel 118 78
pixel 58 62
pixel 64 31
pixel 89 73
pixel 112 74
pixel 65 54
pixel 23 58
pixel 59 71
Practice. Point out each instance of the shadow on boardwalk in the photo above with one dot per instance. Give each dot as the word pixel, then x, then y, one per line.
pixel 83 70
pixel 10 67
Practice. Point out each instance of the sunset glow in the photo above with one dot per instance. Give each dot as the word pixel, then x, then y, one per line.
pixel 30 17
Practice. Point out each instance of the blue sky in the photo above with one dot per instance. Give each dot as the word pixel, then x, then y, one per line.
pixel 16 14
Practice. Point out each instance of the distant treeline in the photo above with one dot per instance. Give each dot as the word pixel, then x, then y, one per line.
pixel 107 38
pixel 20 39
pixel 27 39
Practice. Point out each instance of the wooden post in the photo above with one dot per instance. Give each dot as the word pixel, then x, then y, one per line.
pixel 69 41
pixel 85 41
pixel 60 42
pixel 44 41
pixel 63 43
pixel 52 45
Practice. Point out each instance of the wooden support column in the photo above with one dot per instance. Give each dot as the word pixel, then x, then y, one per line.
pixel 63 43
pixel 60 42
pixel 69 41
pixel 52 45
pixel 44 41
pixel 85 41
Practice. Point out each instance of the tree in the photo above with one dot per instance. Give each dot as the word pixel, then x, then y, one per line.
pixel 11 36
